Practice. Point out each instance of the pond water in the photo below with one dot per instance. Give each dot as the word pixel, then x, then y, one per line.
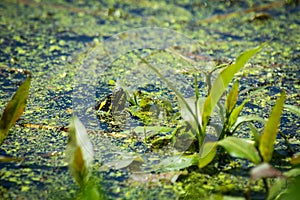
pixel 53 40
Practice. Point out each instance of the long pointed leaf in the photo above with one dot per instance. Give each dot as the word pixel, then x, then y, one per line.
pixel 79 152
pixel 232 97
pixel 187 115
pixel 235 113
pixel 255 134
pixel 268 137
pixel 14 108
pixel 222 83
pixel 241 148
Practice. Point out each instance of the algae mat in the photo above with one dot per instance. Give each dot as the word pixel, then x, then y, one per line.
pixel 51 39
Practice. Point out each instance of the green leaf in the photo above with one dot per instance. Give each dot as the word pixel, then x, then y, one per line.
pixel 255 134
pixel 222 82
pixel 155 129
pixel 292 173
pixel 128 160
pixel 280 186
pixel 293 109
pixel 14 109
pixel 235 113
pixel 79 152
pixel 232 97
pixel 207 154
pixel 177 162
pixel 292 191
pixel 266 144
pixel 196 108
pixel 244 119
pixel 238 147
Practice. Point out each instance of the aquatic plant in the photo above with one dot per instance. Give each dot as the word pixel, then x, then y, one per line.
pixel 197 113
pixel 14 108
pixel 80 158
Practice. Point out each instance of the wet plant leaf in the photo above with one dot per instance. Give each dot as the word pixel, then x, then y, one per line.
pixel 178 162
pixel 235 113
pixel 79 152
pixel 222 82
pixel 14 108
pixel 207 154
pixel 281 186
pixel 292 190
pixel 232 97
pixel 131 161
pixel 196 111
pixel 277 188
pixel 268 137
pixel 247 118
pixel 292 173
pixel 238 147
pixel 255 134
pixel 146 178
pixel 265 170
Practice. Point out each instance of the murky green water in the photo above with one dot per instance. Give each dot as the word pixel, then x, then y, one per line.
pixel 51 39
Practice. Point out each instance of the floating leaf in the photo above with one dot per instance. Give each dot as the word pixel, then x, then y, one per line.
pixel 232 97
pixel 241 148
pixel 268 137
pixel 147 178
pixel 222 82
pixel 207 154
pixel 265 170
pixel 14 108
pixel 79 152
pixel 177 162
pixel 132 161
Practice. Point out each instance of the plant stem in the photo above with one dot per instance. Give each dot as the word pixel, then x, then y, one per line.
pixel 200 136
pixel 289 146
pixel 266 186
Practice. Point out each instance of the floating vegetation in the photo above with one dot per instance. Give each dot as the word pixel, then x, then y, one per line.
pixel 144 138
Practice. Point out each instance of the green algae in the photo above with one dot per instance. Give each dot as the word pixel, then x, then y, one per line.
pixel 45 38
